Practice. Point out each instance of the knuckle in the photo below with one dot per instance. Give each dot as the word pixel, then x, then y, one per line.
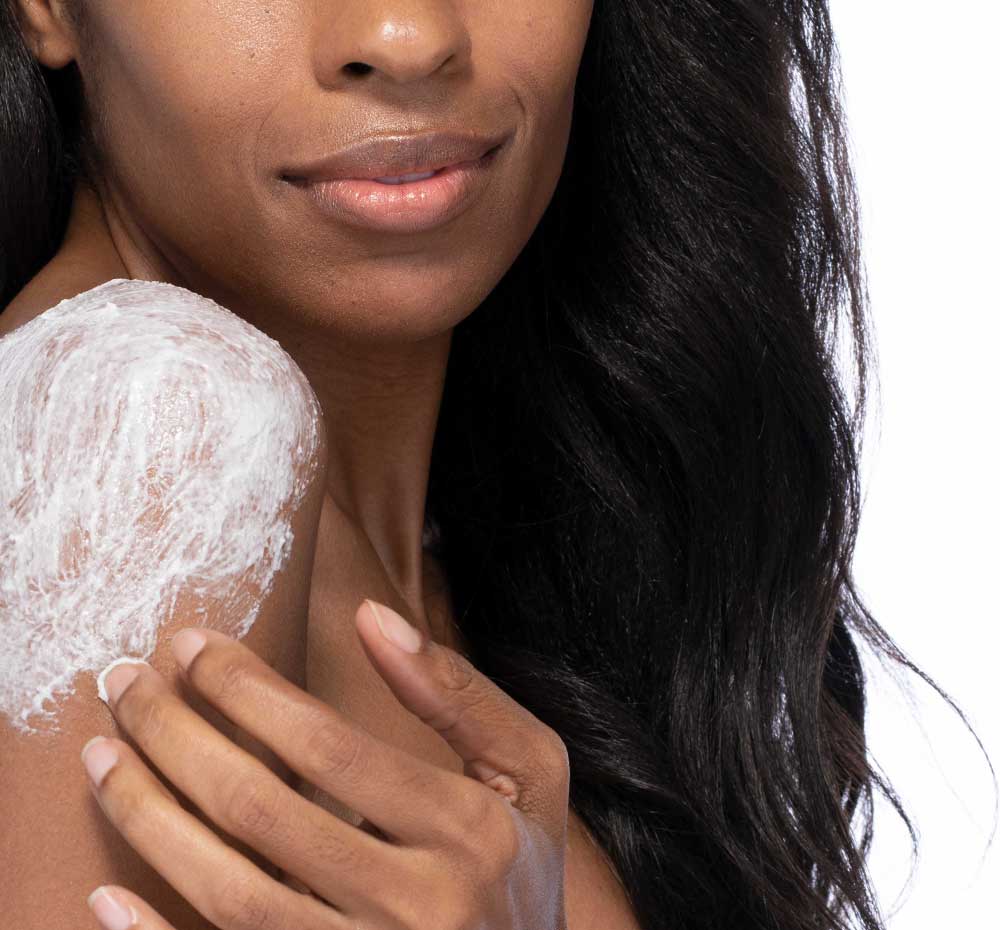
pixel 146 714
pixel 231 680
pixel 241 904
pixel 493 845
pixel 334 849
pixel 560 754
pixel 456 673
pixel 457 677
pixel 554 756
pixel 132 807
pixel 420 782
pixel 475 813
pixel 252 807
pixel 335 748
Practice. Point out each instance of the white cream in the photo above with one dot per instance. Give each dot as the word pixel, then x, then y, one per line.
pixel 153 447
pixel 102 688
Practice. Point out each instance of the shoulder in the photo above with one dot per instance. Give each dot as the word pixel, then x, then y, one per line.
pixel 154 451
pixel 128 358
pixel 156 445
pixel 595 896
pixel 142 379
pixel 157 333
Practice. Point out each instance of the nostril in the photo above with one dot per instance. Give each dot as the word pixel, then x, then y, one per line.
pixel 358 67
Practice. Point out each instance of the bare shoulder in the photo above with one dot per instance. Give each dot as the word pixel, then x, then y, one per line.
pixel 161 465
pixel 84 261
pixel 147 426
pixel 595 898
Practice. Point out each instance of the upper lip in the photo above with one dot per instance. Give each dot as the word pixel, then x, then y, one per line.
pixel 393 155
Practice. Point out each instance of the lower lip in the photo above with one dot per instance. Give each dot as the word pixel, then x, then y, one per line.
pixel 414 206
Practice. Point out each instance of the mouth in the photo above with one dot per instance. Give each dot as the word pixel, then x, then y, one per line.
pixel 402 202
pixel 395 178
pixel 416 176
pixel 396 158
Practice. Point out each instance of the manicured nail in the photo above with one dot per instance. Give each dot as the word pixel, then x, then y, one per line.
pixel 116 677
pixel 186 645
pixel 111 913
pixel 99 757
pixel 394 628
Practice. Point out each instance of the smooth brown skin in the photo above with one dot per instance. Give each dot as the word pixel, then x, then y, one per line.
pixel 480 849
pixel 199 105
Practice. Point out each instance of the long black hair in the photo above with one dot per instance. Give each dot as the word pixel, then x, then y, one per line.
pixel 645 480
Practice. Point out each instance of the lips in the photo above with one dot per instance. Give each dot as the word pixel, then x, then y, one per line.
pixel 390 158
pixel 404 208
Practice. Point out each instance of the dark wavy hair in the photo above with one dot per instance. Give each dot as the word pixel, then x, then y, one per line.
pixel 645 481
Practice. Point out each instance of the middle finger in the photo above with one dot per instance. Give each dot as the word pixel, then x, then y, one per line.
pixel 245 798
pixel 410 799
pixel 227 889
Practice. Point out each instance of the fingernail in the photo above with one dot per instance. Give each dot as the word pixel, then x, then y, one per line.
pixel 99 757
pixel 394 628
pixel 111 913
pixel 186 645
pixel 116 677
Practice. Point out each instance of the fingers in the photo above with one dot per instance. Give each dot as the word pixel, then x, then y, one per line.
pixel 118 909
pixel 223 886
pixel 503 744
pixel 407 798
pixel 244 797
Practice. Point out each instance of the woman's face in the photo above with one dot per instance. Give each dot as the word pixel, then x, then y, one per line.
pixel 205 108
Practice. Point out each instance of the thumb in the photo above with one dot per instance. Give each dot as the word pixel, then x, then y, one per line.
pixel 501 742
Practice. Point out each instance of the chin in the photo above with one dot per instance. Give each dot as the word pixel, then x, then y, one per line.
pixel 405 306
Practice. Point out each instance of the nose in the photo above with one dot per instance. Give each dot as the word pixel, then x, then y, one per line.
pixel 392 41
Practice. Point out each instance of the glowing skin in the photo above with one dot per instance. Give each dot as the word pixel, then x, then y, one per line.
pixel 198 108
pixel 152 443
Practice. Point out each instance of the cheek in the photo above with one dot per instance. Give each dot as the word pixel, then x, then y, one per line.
pixel 539 53
pixel 182 83
pixel 541 46
pixel 204 101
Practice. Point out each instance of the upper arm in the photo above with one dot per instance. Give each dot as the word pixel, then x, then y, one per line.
pixel 161 465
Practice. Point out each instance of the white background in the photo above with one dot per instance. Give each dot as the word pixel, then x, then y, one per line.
pixel 923 103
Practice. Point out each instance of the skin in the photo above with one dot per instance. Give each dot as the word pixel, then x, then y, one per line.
pixel 479 851
pixel 198 105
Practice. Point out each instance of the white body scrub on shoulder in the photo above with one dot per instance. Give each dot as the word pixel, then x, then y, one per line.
pixel 151 442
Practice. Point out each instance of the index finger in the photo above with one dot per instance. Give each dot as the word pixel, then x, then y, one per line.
pixel 405 797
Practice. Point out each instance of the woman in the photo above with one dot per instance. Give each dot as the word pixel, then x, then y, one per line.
pixel 631 503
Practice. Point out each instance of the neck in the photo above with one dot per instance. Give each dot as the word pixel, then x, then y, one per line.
pixel 380 408
pixel 380 402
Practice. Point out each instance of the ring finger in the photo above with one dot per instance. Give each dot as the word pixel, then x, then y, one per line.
pixel 247 800
pixel 190 856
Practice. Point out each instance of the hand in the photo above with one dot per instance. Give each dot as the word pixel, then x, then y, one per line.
pixel 484 849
